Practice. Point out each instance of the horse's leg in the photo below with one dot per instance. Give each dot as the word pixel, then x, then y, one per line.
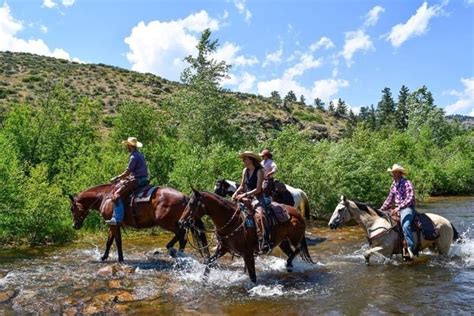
pixel 170 244
pixel 182 239
pixel 285 246
pixel 118 242
pixel 220 251
pixel 250 264
pixel 110 240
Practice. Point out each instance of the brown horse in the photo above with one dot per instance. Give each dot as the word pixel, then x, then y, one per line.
pixel 233 235
pixel 164 210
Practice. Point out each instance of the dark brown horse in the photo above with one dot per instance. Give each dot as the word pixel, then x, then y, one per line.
pixel 164 209
pixel 233 235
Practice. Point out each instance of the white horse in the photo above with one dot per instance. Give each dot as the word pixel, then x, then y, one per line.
pixel 227 188
pixel 381 234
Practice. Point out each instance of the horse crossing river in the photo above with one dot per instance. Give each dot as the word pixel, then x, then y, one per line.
pixel 71 279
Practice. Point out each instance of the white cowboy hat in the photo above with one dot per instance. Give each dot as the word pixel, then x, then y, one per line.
pixel 251 155
pixel 132 141
pixel 397 167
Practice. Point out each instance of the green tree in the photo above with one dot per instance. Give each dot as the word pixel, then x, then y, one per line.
pixel 386 108
pixel 401 112
pixel 290 97
pixel 319 104
pixel 341 108
pixel 302 100
pixel 331 108
pixel 202 111
pixel 275 98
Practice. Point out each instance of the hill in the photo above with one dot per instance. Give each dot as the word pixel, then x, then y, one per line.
pixel 26 78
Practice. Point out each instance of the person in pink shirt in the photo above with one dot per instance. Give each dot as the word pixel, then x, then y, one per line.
pixel 401 199
pixel 269 169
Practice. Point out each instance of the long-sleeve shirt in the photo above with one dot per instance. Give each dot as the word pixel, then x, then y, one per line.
pixel 401 194
pixel 137 165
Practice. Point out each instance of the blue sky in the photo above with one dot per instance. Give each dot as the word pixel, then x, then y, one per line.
pixel 320 48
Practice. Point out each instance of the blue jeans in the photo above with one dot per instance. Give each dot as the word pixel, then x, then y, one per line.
pixel 119 210
pixel 406 217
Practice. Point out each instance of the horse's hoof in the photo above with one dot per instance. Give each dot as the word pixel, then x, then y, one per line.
pixel 103 258
pixel 172 252
pixel 289 269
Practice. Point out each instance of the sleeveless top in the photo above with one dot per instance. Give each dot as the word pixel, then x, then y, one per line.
pixel 251 182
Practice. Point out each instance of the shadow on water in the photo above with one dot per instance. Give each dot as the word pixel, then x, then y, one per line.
pixel 72 279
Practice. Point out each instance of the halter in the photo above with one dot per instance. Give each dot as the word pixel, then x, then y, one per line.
pixel 218 230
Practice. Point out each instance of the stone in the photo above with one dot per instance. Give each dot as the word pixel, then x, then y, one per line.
pixel 7 295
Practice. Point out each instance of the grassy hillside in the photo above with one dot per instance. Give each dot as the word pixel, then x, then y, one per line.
pixel 26 78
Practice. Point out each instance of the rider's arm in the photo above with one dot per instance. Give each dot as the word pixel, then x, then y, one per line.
pixel 241 186
pixel 389 200
pixel 274 169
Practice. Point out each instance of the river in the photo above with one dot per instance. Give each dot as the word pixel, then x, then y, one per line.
pixel 70 279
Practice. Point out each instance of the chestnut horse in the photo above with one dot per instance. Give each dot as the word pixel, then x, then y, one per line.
pixel 233 235
pixel 164 209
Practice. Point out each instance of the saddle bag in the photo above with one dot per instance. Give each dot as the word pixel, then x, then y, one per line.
pixel 426 225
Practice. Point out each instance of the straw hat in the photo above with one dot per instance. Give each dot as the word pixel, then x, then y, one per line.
pixel 132 141
pixel 397 167
pixel 251 155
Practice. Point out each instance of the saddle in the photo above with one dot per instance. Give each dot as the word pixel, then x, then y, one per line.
pixel 421 225
pixel 274 214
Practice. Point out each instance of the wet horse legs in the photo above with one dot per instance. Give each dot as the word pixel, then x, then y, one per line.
pixel 285 246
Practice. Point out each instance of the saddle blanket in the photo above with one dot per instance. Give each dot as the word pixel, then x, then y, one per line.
pixel 279 212
pixel 143 194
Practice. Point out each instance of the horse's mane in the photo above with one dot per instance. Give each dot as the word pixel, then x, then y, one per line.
pixel 99 187
pixel 368 208
pixel 222 200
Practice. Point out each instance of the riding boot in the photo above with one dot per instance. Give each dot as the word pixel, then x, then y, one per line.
pixel 261 232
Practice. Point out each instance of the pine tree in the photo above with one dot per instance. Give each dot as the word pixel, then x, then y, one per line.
pixel 386 108
pixel 319 104
pixel 302 100
pixel 275 98
pixel 331 108
pixel 290 97
pixel 341 108
pixel 401 113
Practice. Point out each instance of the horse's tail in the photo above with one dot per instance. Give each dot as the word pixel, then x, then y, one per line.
pixel 304 253
pixel 304 198
pixel 456 236
pixel 199 235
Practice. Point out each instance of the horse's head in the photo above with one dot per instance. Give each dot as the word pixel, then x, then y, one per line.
pixel 194 209
pixel 221 187
pixel 341 214
pixel 78 211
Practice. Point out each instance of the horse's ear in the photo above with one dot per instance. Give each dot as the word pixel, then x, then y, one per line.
pixel 343 199
pixel 71 197
pixel 195 192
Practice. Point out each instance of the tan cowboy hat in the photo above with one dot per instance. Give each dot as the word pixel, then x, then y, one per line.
pixel 397 167
pixel 251 155
pixel 132 141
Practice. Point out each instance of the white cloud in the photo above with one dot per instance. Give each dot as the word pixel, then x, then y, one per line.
pixel 416 25
pixel 228 53
pixel 9 27
pixel 159 47
pixel 465 102
pixel 373 16
pixel 326 88
pixel 273 58
pixel 240 5
pixel 44 28
pixel 323 42
pixel 49 4
pixel 68 3
pixel 307 62
pixel 469 2
pixel 356 41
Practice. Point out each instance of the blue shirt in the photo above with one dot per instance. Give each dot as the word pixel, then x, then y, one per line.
pixel 137 165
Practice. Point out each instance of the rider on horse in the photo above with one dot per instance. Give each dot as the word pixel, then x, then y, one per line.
pixel 251 187
pixel 269 169
pixel 135 176
pixel 402 196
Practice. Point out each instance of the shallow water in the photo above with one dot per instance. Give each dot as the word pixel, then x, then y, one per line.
pixel 71 279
